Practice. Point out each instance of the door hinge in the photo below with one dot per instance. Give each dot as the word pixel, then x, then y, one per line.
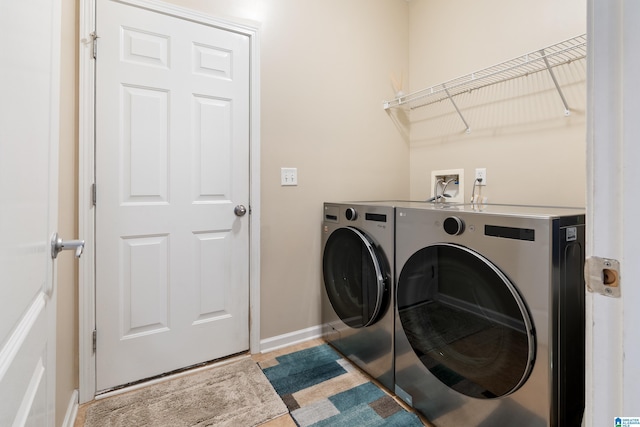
pixel 95 339
pixel 93 194
pixel 94 44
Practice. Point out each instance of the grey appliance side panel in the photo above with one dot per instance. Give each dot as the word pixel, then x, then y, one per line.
pixel 568 328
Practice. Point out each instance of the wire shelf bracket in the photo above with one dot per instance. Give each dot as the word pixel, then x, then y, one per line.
pixel 567 112
pixel 468 130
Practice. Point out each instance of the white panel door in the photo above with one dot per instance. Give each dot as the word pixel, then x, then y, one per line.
pixel 29 106
pixel 172 163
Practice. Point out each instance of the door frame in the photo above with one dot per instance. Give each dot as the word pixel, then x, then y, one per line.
pixel 86 172
pixel 613 38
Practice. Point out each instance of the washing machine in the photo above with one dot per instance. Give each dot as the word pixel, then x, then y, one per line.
pixel 358 293
pixel 490 326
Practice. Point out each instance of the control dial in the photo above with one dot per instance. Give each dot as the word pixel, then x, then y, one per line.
pixel 453 226
pixel 351 214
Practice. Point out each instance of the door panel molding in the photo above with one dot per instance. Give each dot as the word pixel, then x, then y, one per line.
pixel 21 333
pixel 87 380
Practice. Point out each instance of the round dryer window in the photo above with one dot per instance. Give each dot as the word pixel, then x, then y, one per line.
pixel 355 277
pixel 466 321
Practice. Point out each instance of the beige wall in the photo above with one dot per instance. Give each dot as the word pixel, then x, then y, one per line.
pixel 532 152
pixel 325 71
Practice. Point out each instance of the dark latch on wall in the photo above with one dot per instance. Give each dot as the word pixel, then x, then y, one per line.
pixel 603 276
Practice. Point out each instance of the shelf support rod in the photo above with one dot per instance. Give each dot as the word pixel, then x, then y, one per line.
pixel 457 109
pixel 555 82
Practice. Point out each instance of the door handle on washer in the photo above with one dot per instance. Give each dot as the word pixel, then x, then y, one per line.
pixel 58 245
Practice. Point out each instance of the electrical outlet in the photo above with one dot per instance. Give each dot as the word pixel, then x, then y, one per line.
pixel 481 173
pixel 288 176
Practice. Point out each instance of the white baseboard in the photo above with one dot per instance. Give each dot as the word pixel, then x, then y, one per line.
pixel 291 338
pixel 72 410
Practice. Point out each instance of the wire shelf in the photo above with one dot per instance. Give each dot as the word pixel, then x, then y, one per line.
pixel 544 59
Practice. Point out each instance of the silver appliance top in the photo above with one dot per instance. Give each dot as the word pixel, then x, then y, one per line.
pixel 530 211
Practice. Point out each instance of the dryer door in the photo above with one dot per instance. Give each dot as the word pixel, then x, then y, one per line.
pixel 355 277
pixel 466 321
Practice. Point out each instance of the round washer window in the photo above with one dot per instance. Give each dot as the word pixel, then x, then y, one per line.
pixel 355 277
pixel 465 321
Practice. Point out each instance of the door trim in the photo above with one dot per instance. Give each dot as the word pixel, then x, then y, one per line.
pixel 86 178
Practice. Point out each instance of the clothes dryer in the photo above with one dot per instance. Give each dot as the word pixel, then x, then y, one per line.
pixel 490 314
pixel 358 293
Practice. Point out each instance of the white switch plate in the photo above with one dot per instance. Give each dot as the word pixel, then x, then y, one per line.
pixel 288 176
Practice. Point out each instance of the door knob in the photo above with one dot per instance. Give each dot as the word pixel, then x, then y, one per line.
pixel 57 245
pixel 240 210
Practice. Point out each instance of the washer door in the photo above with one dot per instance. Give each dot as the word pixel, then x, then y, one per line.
pixel 466 321
pixel 355 277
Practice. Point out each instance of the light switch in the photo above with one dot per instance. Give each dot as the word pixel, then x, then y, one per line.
pixel 288 176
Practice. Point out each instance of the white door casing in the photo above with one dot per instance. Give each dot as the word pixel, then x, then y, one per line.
pixel 613 153
pixel 29 131
pixel 172 162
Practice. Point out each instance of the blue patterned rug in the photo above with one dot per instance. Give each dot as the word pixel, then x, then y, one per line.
pixel 321 388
